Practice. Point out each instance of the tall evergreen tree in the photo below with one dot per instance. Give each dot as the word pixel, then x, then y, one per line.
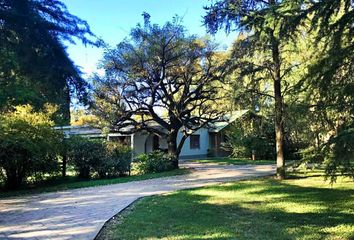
pixel 325 92
pixel 261 24
pixel 34 66
pixel 330 82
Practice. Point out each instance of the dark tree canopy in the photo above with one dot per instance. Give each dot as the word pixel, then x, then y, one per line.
pixel 331 83
pixel 35 67
pixel 163 81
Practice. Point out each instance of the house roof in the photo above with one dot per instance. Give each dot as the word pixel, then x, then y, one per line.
pixel 90 131
pixel 229 118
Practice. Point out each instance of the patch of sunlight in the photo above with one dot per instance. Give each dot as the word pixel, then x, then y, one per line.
pixel 319 182
pixel 220 196
pixel 346 229
pixel 306 232
pixel 294 207
pixel 218 235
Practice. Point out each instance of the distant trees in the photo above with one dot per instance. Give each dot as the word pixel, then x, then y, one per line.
pixel 34 66
pixel 251 135
pixel 160 80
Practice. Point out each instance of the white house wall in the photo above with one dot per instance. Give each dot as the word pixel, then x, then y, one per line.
pixel 139 143
pixel 204 145
pixel 143 143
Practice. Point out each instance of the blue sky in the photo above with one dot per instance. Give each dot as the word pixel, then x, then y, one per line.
pixel 112 20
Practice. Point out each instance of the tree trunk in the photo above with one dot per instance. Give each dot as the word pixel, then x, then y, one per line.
pixel 279 131
pixel 279 128
pixel 63 170
pixel 14 178
pixel 172 148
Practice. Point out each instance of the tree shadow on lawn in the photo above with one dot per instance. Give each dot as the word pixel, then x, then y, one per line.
pixel 263 210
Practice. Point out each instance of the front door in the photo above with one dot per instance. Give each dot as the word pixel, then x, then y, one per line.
pixel 155 143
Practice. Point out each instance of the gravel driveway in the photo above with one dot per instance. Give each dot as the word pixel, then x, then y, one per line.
pixel 80 213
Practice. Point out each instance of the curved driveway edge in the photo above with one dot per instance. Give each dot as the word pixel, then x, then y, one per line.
pixel 81 213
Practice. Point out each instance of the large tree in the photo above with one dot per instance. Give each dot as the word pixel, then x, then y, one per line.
pixel 323 92
pixel 330 83
pixel 34 66
pixel 262 38
pixel 160 80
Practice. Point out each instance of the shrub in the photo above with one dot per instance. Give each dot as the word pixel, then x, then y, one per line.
pixel 118 160
pixel 84 154
pixel 29 145
pixel 250 133
pixel 92 156
pixel 153 162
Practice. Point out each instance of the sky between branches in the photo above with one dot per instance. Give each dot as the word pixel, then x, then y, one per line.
pixel 112 20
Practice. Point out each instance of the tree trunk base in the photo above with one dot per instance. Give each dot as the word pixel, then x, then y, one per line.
pixel 280 173
pixel 174 160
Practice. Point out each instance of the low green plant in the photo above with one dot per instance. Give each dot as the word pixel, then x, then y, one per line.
pixel 153 162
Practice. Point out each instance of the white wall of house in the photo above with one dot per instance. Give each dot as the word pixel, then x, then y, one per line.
pixel 143 143
pixel 201 151
pixel 139 143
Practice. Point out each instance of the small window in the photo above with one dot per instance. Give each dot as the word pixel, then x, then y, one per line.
pixel 194 141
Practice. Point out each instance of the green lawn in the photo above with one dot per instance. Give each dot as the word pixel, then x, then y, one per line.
pixel 234 161
pixel 299 208
pixel 70 182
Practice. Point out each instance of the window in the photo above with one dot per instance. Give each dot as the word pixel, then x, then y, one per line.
pixel 194 141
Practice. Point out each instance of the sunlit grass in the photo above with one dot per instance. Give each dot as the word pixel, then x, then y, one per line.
pixel 234 161
pixel 303 208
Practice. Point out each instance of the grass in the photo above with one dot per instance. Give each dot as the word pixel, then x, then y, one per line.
pixel 235 161
pixel 72 182
pixel 303 207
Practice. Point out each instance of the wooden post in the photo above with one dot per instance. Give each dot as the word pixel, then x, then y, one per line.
pixel 132 149
pixel 65 158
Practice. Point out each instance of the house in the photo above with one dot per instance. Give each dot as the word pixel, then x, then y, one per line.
pixel 204 142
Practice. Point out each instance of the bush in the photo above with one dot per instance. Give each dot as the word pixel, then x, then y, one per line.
pixel 250 133
pixel 153 162
pixel 91 156
pixel 29 146
pixel 84 154
pixel 118 160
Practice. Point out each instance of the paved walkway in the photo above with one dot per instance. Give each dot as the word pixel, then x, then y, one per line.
pixel 81 213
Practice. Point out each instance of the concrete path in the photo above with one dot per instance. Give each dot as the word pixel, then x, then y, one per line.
pixel 81 213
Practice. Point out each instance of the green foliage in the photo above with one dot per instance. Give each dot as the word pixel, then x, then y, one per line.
pixel 337 154
pixel 93 156
pixel 28 144
pixel 116 162
pixel 251 133
pixel 160 68
pixel 84 153
pixel 153 162
pixel 341 159
pixel 314 42
pixel 34 66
